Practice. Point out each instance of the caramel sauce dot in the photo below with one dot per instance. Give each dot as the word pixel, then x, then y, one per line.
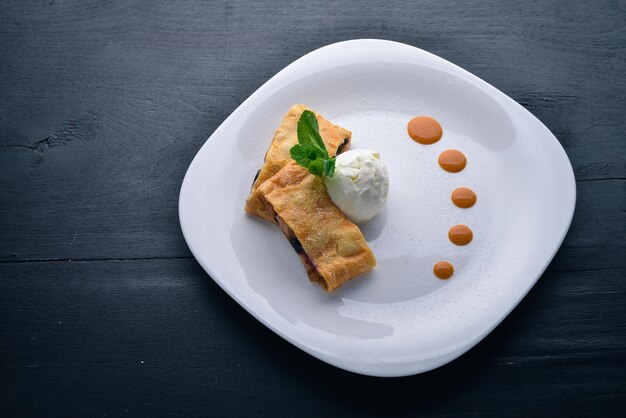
pixel 460 235
pixel 425 130
pixel 463 197
pixel 452 161
pixel 443 270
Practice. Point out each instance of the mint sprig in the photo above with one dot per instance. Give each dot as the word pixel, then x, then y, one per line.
pixel 310 151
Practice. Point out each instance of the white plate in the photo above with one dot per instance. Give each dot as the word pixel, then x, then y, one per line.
pixel 399 319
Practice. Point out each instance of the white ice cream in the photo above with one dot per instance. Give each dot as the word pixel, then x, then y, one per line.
pixel 360 184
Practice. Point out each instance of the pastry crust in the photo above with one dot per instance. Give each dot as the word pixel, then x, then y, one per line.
pixel 336 138
pixel 331 247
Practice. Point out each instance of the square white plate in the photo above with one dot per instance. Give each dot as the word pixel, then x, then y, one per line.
pixel 399 319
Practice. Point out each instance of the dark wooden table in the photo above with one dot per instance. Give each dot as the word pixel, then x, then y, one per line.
pixel 103 311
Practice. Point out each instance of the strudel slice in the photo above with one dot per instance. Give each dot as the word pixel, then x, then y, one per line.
pixel 331 248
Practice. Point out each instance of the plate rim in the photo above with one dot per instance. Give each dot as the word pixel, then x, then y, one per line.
pixel 379 370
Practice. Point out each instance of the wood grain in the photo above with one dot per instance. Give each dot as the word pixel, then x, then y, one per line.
pixel 104 104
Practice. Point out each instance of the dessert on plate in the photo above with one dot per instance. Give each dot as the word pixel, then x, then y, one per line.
pixel 292 190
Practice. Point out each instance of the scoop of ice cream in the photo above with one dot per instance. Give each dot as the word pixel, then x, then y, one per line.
pixel 360 184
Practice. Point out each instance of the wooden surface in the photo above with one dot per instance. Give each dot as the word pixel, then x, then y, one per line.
pixel 103 311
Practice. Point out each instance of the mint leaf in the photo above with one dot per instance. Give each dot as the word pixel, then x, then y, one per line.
pixel 300 155
pixel 329 167
pixel 309 133
pixel 310 151
pixel 316 167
